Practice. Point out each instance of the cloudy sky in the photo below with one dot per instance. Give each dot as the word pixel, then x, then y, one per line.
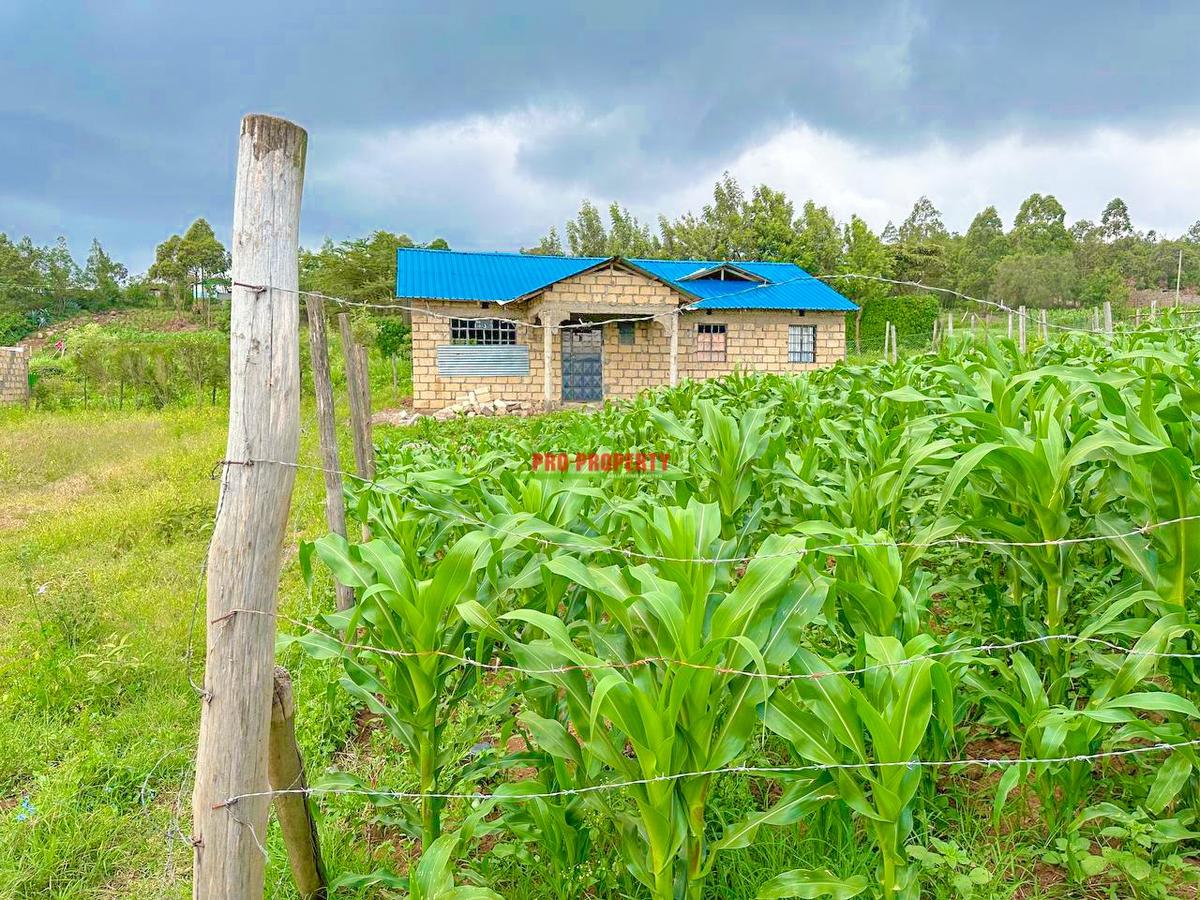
pixel 485 123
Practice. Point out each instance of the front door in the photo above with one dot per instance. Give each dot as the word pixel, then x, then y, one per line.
pixel 582 365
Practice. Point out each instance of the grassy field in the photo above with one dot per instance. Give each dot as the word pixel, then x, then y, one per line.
pixel 104 522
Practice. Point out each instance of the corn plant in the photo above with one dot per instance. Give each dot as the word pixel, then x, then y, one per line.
pixel 865 735
pixel 400 660
pixel 694 706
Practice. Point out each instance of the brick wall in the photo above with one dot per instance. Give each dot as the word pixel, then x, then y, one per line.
pixel 14 375
pixel 431 391
pixel 756 340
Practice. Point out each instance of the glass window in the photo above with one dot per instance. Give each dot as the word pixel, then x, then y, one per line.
pixel 485 332
pixel 802 343
pixel 710 343
pixel 625 332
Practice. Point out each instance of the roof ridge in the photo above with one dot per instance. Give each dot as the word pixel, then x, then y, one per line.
pixel 505 253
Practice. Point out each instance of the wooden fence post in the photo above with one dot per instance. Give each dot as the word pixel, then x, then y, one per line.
pixel 285 769
pixel 244 556
pixel 360 413
pixel 1045 327
pixel 335 498
pixel 1021 328
pixel 675 348
pixel 887 337
pixel 547 373
pixel 1108 325
pixel 1010 324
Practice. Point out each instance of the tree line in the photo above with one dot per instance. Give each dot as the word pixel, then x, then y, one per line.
pixel 1039 261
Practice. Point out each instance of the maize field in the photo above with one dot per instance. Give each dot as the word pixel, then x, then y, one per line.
pixel 841 585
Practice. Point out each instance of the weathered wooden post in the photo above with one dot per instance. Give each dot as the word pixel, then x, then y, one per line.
pixel 1010 324
pixel 950 325
pixel 335 500
pixel 285 769
pixel 360 409
pixel 1108 325
pixel 1021 328
pixel 1044 326
pixel 252 512
pixel 887 337
pixel 675 348
pixel 547 355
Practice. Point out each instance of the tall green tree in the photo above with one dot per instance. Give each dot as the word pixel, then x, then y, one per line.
pixel 103 276
pixel 769 225
pixel 1114 221
pixel 629 237
pixel 1039 226
pixel 979 251
pixel 818 240
pixel 61 275
pixel 586 234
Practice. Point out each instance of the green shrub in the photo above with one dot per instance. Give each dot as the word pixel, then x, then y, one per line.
pixel 912 314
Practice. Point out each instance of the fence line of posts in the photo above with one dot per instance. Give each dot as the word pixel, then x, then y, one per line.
pixel 1017 324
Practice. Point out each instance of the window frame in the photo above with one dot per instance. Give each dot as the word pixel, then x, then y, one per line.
pixel 707 349
pixel 799 349
pixel 471 332
pixel 626 333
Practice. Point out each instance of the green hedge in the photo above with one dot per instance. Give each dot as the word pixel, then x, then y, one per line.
pixel 912 314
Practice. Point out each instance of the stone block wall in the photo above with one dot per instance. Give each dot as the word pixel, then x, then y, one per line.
pixel 14 375
pixel 431 391
pixel 757 341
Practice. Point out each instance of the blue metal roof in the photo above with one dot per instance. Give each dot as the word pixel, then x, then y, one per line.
pixel 503 277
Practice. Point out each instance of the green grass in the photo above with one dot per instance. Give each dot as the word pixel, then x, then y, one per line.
pixel 104 523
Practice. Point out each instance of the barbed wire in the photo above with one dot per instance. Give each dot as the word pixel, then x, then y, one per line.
pixel 956 540
pixel 761 771
pixel 645 661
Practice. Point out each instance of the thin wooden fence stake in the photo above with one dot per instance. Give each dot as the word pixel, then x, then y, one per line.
pixel 887 337
pixel 895 345
pixel 1108 322
pixel 286 773
pixel 252 512
pixel 359 426
pixel 675 348
pixel 547 372
pixel 1010 325
pixel 1042 322
pixel 335 498
pixel 950 325
pixel 1021 328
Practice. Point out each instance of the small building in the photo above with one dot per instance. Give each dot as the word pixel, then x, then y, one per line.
pixel 617 326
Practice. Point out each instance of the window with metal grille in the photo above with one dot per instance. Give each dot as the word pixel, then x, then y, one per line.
pixel 625 332
pixel 483 332
pixel 802 343
pixel 710 343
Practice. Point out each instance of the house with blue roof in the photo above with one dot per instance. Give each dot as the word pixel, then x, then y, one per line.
pixel 548 330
